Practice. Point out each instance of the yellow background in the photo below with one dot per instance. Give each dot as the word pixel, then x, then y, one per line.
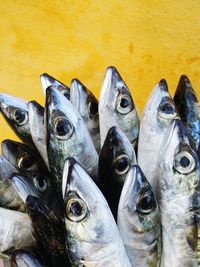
pixel 146 40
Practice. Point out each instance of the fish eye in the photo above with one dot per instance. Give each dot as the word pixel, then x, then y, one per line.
pixel 40 183
pixel 93 109
pixel 166 109
pixel 184 162
pixel 76 210
pixel 146 203
pixel 20 116
pixel 27 162
pixel 124 104
pixel 63 128
pixel 121 164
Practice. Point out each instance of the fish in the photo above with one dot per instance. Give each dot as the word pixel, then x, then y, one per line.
pixel 92 236
pixel 179 202
pixel 67 136
pixel 158 112
pixel 117 108
pixel 138 220
pixel 49 232
pixel 15 112
pixel 87 105
pixel 25 258
pixel 115 159
pixel 48 81
pixel 15 231
pixel 9 198
pixel 37 128
pixel 188 107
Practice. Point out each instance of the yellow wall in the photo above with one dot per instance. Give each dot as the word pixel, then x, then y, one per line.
pixel 146 40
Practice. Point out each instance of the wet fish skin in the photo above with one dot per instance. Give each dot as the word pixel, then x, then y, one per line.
pixel 37 128
pixel 139 220
pixel 187 104
pixel 15 231
pixel 49 231
pixel 9 198
pixel 67 137
pixel 92 236
pixel 116 107
pixel 157 115
pixel 15 112
pixel 180 202
pixel 22 258
pixel 48 81
pixel 87 105
pixel 115 159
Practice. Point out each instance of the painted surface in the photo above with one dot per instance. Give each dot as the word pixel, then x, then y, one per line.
pixel 145 40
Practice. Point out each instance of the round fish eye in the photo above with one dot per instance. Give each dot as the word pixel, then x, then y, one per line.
pixel 184 162
pixel 76 210
pixel 63 128
pixel 93 109
pixel 146 203
pixel 40 183
pixel 166 110
pixel 124 104
pixel 121 164
pixel 27 162
pixel 20 116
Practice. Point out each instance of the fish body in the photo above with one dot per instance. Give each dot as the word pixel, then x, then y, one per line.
pixel 87 105
pixel 49 232
pixel 139 220
pixel 187 104
pixel 116 107
pixel 48 81
pixel 25 258
pixel 157 115
pixel 179 198
pixel 67 137
pixel 115 159
pixel 15 231
pixel 92 237
pixel 15 112
pixel 37 128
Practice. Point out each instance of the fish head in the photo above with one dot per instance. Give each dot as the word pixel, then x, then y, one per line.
pixel 15 112
pixel 138 202
pixel 116 156
pixel 116 103
pixel 48 81
pixel 178 163
pixel 6 169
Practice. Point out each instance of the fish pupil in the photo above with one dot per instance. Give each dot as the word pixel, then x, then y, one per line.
pixel 63 127
pixel 185 162
pixel 146 203
pixel 122 164
pixel 19 116
pixel 27 162
pixel 76 209
pixel 41 183
pixel 167 108
pixel 124 103
pixel 93 108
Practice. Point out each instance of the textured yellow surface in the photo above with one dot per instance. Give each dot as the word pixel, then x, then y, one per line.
pixel 146 40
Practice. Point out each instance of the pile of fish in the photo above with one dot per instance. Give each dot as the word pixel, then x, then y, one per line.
pixel 90 185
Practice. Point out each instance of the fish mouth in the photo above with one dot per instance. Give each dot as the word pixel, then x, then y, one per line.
pixel 6 169
pixel 46 81
pixel 76 89
pixel 7 101
pixel 20 186
pixel 8 147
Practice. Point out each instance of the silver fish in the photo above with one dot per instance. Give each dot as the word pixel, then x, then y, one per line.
pixel 187 104
pixel 139 220
pixel 67 136
pixel 15 112
pixel 9 198
pixel 87 105
pixel 116 107
pixel 180 198
pixel 48 81
pixel 25 258
pixel 15 230
pixel 37 128
pixel 115 159
pixel 157 115
pixel 92 236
